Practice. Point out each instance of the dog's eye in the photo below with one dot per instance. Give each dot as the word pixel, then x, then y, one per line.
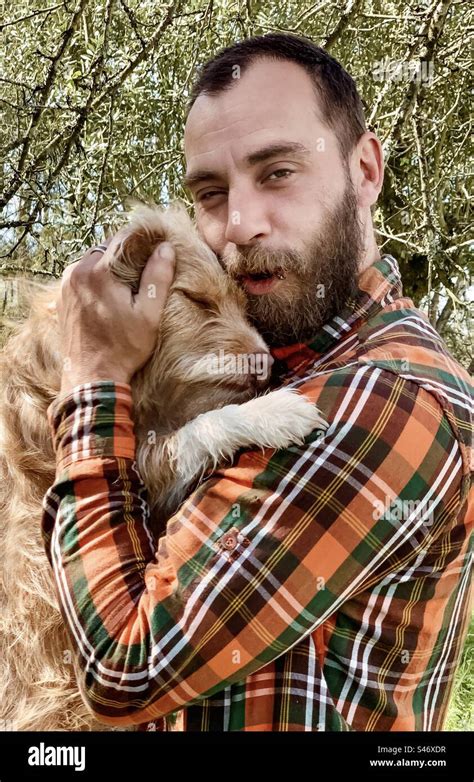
pixel 203 301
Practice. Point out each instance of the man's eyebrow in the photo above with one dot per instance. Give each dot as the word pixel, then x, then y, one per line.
pixel 194 178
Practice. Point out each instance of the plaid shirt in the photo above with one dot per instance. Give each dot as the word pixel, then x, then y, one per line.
pixel 325 586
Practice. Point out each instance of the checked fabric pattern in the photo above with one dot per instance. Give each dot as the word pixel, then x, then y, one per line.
pixel 345 603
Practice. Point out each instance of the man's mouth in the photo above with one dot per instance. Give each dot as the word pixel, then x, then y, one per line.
pixel 260 282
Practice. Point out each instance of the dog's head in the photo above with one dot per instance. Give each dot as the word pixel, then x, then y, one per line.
pixel 208 355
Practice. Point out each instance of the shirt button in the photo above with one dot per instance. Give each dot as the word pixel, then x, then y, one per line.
pixel 228 541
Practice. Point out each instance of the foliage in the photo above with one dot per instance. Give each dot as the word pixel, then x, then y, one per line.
pixel 461 707
pixel 93 95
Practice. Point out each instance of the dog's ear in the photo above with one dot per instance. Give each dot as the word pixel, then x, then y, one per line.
pixel 145 229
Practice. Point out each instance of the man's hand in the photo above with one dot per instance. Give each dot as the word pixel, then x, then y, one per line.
pixel 106 332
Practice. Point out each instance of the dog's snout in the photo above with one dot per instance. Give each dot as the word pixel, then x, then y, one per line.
pixel 262 359
pixel 261 363
pixel 251 370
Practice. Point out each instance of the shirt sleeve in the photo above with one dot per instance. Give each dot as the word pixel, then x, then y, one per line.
pixel 258 555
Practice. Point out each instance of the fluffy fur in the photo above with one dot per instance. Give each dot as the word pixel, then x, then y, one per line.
pixel 187 421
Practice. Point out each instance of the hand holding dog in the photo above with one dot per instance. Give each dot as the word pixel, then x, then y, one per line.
pixel 107 333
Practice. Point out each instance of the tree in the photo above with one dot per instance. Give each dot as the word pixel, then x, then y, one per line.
pixel 94 92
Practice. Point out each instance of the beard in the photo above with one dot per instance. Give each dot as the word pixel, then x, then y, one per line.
pixel 318 281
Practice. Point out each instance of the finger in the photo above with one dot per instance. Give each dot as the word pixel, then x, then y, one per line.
pixel 81 265
pixel 114 246
pixel 157 275
pixel 103 250
pixel 93 253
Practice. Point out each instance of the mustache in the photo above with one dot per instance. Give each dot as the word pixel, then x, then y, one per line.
pixel 259 261
pixel 278 272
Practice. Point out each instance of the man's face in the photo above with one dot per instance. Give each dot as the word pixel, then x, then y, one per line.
pixel 289 215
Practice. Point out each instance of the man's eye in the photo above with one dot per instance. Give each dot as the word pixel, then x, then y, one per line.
pixel 206 195
pixel 280 171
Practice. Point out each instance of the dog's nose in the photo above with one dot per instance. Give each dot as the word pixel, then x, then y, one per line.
pixel 262 358
pixel 262 362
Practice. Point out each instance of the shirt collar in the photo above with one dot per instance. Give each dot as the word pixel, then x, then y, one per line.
pixel 378 285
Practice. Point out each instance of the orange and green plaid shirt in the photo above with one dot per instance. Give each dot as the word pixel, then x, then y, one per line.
pixel 322 587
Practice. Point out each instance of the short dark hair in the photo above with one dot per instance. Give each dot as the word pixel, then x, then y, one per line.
pixel 340 103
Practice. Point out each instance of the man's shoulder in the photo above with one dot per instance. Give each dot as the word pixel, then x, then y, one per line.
pixel 399 356
pixel 401 340
pixel 400 327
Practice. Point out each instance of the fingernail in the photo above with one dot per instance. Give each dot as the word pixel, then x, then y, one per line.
pixel 166 251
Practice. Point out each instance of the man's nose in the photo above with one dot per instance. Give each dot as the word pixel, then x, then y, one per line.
pixel 246 222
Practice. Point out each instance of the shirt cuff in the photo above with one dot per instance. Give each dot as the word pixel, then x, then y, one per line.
pixel 92 420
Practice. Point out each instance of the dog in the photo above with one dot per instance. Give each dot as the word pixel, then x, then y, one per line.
pixel 188 421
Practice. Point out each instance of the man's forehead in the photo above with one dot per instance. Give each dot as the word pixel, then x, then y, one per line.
pixel 270 94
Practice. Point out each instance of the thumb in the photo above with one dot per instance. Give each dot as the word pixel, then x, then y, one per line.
pixel 157 276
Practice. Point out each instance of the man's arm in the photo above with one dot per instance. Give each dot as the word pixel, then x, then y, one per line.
pixel 158 630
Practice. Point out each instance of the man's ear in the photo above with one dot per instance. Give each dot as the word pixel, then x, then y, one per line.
pixel 367 169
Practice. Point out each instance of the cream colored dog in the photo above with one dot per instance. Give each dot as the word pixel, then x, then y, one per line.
pixel 189 418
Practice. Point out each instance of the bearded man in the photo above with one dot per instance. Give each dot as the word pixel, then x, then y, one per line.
pixel 345 603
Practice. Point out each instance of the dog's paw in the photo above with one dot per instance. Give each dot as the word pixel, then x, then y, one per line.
pixel 284 417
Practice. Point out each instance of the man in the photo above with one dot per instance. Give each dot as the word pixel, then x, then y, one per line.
pixel 345 603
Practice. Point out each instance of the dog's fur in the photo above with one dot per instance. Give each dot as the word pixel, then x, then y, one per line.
pixel 187 421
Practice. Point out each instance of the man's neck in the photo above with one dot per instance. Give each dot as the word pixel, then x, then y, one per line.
pixel 371 250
